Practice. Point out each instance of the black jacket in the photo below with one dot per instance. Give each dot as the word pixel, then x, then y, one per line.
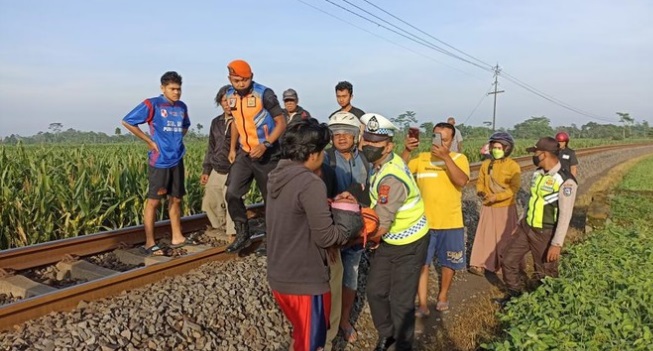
pixel 217 152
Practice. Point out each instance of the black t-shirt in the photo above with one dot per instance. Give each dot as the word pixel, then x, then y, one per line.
pixel 354 110
pixel 567 159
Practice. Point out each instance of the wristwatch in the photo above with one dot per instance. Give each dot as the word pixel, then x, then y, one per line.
pixel 267 144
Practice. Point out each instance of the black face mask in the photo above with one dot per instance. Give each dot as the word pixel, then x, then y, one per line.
pixel 372 153
pixel 536 160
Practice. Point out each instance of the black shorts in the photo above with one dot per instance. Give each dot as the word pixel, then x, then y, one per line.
pixel 166 181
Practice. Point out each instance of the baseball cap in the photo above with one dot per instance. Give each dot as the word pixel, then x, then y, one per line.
pixel 290 94
pixel 240 68
pixel 544 144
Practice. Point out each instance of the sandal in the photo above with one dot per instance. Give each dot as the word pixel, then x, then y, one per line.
pixel 421 313
pixel 349 334
pixel 442 306
pixel 187 241
pixel 153 250
pixel 476 271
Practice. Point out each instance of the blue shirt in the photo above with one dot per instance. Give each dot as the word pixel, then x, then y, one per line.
pixel 167 122
pixel 348 171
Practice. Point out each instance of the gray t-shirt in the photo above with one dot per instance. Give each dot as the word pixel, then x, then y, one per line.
pixel 456 139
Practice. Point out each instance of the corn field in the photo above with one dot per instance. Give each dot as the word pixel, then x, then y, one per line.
pixel 51 192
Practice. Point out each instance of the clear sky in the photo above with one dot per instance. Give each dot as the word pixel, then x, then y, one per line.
pixel 87 63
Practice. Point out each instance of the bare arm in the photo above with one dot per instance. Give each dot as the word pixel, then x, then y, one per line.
pixel 279 128
pixel 139 134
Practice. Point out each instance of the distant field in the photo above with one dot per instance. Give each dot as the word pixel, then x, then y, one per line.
pixel 55 191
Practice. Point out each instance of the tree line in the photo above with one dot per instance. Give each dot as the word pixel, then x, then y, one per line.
pixel 531 128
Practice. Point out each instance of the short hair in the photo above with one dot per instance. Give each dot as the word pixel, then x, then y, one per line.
pixel 303 138
pixel 446 125
pixel 345 85
pixel 221 93
pixel 170 77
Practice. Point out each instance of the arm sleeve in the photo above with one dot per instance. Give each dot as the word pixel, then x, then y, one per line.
pixel 395 198
pixel 513 185
pixel 138 115
pixel 324 231
pixel 573 161
pixel 463 164
pixel 186 123
pixel 566 199
pixel 412 166
pixel 206 165
pixel 271 103
pixel 480 181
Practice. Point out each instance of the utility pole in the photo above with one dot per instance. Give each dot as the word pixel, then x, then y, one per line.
pixel 495 92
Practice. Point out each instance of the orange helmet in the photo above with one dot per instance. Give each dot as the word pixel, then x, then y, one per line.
pixel 562 136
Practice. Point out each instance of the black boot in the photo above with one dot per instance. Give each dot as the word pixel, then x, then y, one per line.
pixel 242 237
pixel 262 250
pixel 384 343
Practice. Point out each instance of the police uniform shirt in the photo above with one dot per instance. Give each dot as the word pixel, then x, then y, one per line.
pixel 567 158
pixel 566 200
pixel 392 194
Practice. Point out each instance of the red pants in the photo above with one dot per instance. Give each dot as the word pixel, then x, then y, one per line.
pixel 309 316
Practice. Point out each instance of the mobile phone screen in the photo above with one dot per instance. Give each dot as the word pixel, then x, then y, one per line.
pixel 413 133
pixel 437 139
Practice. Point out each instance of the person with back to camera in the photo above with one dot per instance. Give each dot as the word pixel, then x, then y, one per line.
pixel 301 227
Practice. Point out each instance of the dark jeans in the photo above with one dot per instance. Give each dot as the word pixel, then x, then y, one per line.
pixel 527 239
pixel 241 174
pixel 391 288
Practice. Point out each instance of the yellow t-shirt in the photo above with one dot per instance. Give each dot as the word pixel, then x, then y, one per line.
pixel 442 199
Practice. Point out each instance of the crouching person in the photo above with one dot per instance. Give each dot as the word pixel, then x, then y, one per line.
pixel 300 227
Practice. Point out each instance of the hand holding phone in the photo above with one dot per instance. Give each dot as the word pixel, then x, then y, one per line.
pixel 437 139
pixel 413 133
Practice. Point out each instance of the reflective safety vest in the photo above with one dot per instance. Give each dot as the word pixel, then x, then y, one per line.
pixel 543 204
pixel 410 222
pixel 253 121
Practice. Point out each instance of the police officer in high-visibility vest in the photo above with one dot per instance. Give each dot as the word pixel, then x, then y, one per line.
pixel 399 257
pixel 543 229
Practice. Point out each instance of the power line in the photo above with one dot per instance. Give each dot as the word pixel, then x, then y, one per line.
pixel 388 40
pixel 427 34
pixel 514 80
pixel 433 47
pixel 476 107
pixel 417 39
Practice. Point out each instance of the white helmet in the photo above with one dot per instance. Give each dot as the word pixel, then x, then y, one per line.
pixel 344 121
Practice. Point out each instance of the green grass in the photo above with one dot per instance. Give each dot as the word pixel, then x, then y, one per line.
pixel 603 298
pixel 639 178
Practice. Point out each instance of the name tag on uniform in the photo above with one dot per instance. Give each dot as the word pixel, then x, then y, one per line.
pixel 566 157
pixel 251 101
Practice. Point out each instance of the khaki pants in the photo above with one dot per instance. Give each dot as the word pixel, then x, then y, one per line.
pixel 527 239
pixel 335 282
pixel 214 203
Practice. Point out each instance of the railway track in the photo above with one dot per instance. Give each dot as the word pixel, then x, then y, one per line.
pixel 69 254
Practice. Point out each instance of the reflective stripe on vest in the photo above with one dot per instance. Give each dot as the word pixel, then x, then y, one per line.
pixel 410 223
pixel 253 121
pixel 543 203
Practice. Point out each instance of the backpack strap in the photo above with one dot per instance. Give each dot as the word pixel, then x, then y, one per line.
pixel 366 164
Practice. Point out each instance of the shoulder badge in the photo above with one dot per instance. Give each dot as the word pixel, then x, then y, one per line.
pixel 566 190
pixel 384 193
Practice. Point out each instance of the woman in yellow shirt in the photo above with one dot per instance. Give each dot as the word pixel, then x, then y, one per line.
pixel 498 182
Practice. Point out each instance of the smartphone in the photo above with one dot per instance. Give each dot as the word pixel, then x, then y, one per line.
pixel 437 139
pixel 413 132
